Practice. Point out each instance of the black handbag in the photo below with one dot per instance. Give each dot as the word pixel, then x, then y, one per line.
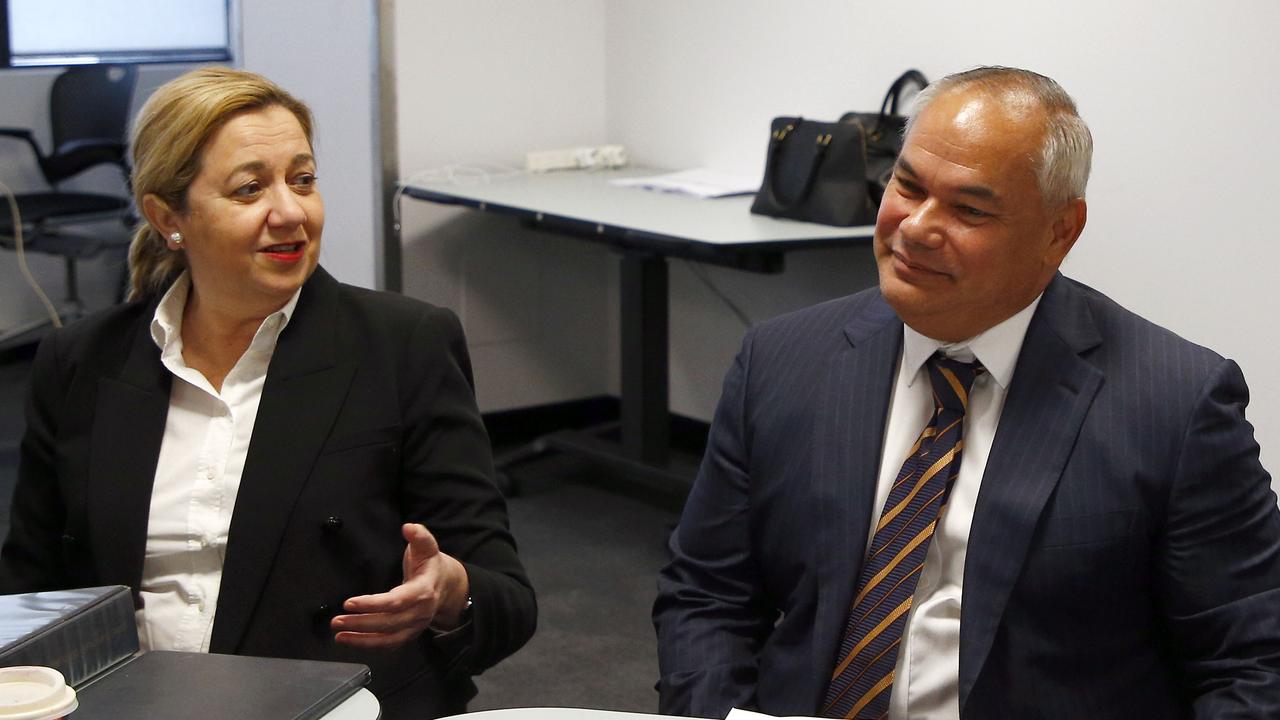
pixel 884 132
pixel 833 173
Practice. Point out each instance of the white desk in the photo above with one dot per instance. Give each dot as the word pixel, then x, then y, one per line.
pixel 584 201
pixel 362 705
pixel 646 227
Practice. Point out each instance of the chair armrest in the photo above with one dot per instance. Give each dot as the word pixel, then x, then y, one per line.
pixel 23 134
pixel 104 146
pixel 77 156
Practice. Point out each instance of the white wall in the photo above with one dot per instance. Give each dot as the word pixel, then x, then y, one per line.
pixel 325 53
pixel 1182 206
pixel 480 83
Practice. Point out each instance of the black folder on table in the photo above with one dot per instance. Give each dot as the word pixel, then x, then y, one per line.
pixel 204 686
pixel 90 636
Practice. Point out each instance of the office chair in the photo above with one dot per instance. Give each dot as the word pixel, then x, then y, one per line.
pixel 88 114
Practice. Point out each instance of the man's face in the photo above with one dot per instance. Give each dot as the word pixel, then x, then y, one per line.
pixel 964 239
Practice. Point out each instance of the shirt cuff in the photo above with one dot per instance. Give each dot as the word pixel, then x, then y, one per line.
pixel 464 623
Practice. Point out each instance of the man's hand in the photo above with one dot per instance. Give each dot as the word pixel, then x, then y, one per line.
pixel 434 593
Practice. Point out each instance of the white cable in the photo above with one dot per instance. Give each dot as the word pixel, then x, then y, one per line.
pixel 459 174
pixel 22 256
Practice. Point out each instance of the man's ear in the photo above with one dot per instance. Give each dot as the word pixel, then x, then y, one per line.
pixel 1068 223
pixel 158 213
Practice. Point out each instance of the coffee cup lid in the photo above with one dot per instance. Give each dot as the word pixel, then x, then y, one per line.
pixel 30 692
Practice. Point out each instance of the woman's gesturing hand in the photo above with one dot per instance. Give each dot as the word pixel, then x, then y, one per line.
pixel 434 594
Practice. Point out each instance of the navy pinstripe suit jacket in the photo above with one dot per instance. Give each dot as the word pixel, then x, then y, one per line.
pixel 1124 559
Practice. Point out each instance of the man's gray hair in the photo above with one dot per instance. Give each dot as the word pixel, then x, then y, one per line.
pixel 1067 152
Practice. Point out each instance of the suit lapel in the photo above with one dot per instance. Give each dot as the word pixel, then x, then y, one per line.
pixel 304 389
pixel 847 444
pixel 1047 402
pixel 128 427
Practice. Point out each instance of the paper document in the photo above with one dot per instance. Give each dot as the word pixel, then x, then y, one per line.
pixel 740 714
pixel 698 182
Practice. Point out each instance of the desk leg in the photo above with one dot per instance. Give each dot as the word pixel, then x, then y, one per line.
pixel 646 428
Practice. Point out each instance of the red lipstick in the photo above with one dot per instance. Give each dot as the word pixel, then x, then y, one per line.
pixel 285 252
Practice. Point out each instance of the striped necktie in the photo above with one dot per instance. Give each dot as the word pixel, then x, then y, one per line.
pixel 863 678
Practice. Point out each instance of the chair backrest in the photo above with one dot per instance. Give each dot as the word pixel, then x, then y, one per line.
pixel 91 102
pixel 89 114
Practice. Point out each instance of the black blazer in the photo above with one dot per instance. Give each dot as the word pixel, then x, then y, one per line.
pixel 367 420
pixel 1124 557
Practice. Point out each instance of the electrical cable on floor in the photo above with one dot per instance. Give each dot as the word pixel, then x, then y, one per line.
pixel 701 274
pixel 22 256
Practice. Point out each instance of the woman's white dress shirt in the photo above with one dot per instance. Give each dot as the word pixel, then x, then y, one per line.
pixel 202 455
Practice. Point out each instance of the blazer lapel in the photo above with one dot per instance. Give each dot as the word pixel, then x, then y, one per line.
pixel 847 445
pixel 304 389
pixel 1051 392
pixel 127 429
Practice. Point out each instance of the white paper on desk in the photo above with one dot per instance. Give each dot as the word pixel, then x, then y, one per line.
pixel 698 182
pixel 740 714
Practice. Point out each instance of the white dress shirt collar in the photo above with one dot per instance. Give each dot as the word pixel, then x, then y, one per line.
pixel 996 347
pixel 166 324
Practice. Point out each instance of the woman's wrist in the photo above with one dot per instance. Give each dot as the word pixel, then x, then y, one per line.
pixel 454 620
pixel 455 610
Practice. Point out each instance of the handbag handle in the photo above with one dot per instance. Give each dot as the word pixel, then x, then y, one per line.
pixel 895 90
pixel 776 139
pixel 889 106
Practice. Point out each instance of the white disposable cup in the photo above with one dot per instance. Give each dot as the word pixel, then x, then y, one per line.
pixel 30 692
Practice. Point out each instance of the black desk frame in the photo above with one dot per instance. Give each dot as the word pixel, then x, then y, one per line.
pixel 643 448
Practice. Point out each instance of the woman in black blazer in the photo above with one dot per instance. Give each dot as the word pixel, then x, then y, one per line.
pixel 278 464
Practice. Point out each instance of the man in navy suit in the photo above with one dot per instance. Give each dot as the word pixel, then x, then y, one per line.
pixel 1110 543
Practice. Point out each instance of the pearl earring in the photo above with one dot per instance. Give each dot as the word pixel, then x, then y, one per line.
pixel 175 238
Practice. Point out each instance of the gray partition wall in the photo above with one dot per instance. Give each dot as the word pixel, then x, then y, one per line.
pixel 329 53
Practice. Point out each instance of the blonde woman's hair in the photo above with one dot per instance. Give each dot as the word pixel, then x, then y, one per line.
pixel 169 138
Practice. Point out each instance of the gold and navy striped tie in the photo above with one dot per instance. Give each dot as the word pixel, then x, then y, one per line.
pixel 863 677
